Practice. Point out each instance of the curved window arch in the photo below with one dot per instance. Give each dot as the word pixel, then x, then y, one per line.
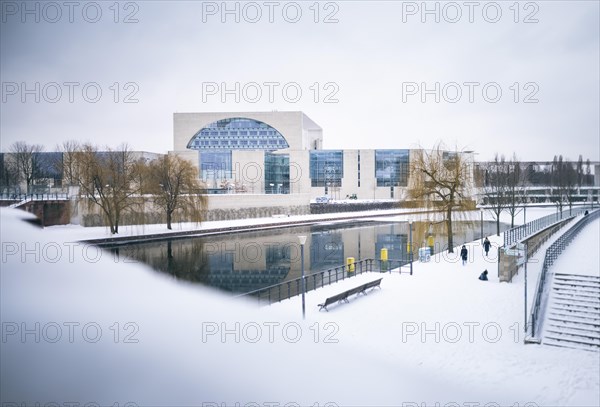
pixel 238 133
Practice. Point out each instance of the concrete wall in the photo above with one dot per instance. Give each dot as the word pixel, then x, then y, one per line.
pixel 244 206
pixel 507 264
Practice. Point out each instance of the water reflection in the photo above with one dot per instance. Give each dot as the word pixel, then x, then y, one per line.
pixel 243 262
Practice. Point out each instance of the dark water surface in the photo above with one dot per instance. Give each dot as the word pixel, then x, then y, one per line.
pixel 246 261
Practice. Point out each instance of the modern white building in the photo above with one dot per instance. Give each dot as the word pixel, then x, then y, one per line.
pixel 275 161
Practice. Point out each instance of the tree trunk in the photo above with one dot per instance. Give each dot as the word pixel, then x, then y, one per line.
pixel 169 217
pixel 498 225
pixel 449 230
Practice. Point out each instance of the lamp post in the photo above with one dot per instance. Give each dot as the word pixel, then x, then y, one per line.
pixel 271 185
pixel 481 213
pixel 302 240
pixel 410 251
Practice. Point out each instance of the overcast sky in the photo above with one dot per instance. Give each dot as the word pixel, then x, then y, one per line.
pixel 507 77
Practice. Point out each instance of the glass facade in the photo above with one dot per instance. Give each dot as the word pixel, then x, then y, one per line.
pixel 48 165
pixel 326 168
pixel 277 173
pixel 238 134
pixel 392 168
pixel 215 166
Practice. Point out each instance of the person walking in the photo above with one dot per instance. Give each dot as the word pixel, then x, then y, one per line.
pixel 486 246
pixel 464 254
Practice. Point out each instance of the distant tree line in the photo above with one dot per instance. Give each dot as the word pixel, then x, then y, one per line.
pixel 505 183
pixel 115 180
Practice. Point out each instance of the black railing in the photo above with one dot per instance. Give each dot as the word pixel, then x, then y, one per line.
pixel 520 232
pixel 291 288
pixel 552 254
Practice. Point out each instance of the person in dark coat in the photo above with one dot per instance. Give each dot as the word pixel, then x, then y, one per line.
pixel 483 276
pixel 464 254
pixel 486 246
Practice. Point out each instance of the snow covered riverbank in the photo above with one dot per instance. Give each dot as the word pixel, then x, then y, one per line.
pixel 86 330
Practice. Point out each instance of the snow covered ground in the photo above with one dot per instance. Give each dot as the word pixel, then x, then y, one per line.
pixel 80 327
pixel 581 256
pixel 448 325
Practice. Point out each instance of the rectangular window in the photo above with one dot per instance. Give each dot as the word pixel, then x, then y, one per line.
pixel 326 168
pixel 277 173
pixel 391 167
pixel 215 165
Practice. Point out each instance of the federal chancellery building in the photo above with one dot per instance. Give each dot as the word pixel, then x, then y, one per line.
pixel 274 162
pixel 262 164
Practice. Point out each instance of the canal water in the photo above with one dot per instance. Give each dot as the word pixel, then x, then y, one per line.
pixel 246 261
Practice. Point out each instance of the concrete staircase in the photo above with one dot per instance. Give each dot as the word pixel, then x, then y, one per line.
pixel 573 313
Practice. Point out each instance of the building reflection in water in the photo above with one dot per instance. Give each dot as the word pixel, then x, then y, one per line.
pixel 243 262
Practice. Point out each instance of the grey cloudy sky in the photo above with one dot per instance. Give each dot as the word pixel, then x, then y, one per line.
pixel 508 77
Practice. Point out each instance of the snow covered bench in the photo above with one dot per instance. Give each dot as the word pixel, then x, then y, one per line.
pixel 343 296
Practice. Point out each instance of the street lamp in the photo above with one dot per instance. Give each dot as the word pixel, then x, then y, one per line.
pixel 481 213
pixel 410 243
pixel 271 185
pixel 302 240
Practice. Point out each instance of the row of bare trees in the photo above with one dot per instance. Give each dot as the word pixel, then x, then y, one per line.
pixel 118 180
pixel 504 187
pixel 444 180
pixel 505 183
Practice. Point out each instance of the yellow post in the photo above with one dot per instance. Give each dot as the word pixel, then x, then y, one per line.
pixel 431 244
pixel 350 264
pixel 384 254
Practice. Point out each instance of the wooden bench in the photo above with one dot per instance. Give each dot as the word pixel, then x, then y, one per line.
pixel 343 296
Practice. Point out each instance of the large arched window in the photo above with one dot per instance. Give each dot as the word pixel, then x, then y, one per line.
pixel 238 134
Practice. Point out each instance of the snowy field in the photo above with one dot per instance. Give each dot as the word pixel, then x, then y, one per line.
pixel 80 327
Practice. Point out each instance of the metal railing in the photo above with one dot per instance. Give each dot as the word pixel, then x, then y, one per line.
pixel 291 288
pixel 518 233
pixel 552 254
pixel 34 197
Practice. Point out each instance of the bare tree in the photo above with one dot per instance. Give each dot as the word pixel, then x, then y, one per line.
pixel 25 160
pixel 9 175
pixel 442 179
pixel 569 184
pixel 495 187
pixel 516 192
pixel 176 188
pixel 108 179
pixel 580 174
pixel 71 159
pixel 565 184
